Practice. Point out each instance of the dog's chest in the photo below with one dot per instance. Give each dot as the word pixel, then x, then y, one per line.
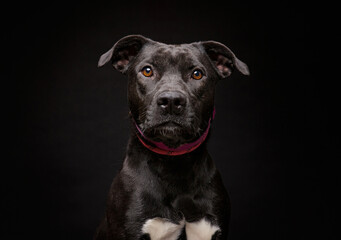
pixel 162 229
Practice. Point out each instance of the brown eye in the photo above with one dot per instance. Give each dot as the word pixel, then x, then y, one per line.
pixel 197 74
pixel 147 71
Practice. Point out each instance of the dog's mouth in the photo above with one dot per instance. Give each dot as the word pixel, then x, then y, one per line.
pixel 171 133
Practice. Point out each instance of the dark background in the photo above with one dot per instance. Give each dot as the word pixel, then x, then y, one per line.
pixel 274 138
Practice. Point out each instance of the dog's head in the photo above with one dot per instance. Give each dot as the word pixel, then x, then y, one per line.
pixel 171 87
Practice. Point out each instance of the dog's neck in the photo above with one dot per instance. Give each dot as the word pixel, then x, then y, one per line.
pixel 165 165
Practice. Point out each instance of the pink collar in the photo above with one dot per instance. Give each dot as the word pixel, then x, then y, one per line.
pixel 161 148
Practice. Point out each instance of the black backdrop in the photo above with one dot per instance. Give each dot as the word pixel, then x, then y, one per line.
pixel 272 138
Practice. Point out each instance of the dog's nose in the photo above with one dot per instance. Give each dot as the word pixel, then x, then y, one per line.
pixel 171 102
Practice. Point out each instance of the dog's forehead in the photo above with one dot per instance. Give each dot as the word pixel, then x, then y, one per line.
pixel 180 53
pixel 175 49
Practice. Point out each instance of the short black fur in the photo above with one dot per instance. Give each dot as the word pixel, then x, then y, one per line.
pixel 149 185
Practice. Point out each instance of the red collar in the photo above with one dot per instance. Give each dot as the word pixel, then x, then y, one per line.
pixel 161 148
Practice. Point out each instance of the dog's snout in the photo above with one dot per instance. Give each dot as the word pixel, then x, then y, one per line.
pixel 171 102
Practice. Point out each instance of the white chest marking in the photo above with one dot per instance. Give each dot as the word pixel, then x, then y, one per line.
pixel 202 230
pixel 162 229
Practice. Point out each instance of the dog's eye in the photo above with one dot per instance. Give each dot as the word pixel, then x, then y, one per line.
pixel 147 71
pixel 197 74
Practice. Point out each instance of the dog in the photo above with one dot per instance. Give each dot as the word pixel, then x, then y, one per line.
pixel 168 187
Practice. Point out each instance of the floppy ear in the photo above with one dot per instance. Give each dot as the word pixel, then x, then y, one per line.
pixel 224 59
pixel 123 52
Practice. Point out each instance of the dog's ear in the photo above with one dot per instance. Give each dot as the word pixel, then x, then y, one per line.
pixel 224 59
pixel 123 52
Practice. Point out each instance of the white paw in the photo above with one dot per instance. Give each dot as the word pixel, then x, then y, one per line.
pixel 201 230
pixel 162 229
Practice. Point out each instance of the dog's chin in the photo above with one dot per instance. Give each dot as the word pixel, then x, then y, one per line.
pixel 171 134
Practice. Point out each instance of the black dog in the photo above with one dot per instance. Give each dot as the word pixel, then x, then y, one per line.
pixel 168 187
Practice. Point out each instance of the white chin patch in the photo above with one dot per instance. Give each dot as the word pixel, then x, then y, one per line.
pixel 202 230
pixel 162 229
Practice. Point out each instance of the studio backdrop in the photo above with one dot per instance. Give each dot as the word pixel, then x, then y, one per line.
pixel 69 122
